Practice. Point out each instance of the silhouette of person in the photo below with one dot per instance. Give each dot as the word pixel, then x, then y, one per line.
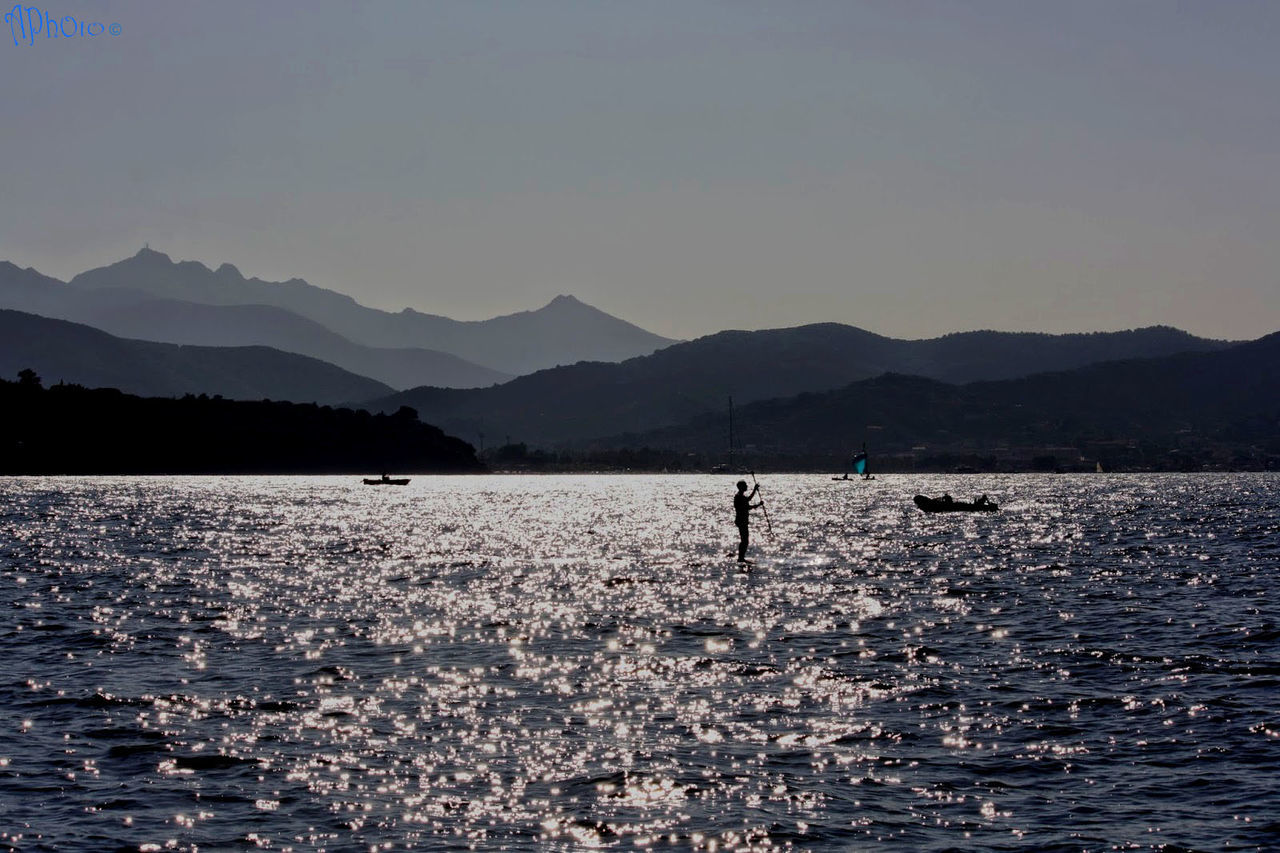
pixel 742 507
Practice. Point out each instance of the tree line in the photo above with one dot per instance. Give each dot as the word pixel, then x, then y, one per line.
pixel 69 429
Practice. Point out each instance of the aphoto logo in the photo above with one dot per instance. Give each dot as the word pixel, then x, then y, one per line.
pixel 27 23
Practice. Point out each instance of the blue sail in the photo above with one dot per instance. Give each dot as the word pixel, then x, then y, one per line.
pixel 860 463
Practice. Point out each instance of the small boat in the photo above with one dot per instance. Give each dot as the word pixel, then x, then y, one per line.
pixel 384 480
pixel 947 504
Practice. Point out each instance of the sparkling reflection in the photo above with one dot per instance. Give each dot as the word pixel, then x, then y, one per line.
pixel 573 662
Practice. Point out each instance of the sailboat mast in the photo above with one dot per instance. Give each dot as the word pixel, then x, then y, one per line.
pixel 731 433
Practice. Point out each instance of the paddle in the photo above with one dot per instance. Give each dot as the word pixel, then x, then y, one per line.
pixel 768 523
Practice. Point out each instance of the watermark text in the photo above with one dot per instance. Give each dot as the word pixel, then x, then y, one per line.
pixel 27 22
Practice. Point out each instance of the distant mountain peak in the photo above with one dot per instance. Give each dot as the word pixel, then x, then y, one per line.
pixel 153 259
pixel 148 253
pixel 565 301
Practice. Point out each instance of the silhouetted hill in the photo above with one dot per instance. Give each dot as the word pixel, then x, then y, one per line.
pixel 133 313
pixel 68 429
pixel 1225 397
pixel 977 356
pixel 61 351
pixel 564 331
pixel 578 402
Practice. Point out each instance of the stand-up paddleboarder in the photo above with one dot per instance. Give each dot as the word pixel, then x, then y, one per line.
pixel 742 507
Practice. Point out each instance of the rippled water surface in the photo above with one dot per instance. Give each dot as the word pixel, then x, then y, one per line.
pixel 567 662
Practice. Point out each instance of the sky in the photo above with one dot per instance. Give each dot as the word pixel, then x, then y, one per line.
pixel 913 168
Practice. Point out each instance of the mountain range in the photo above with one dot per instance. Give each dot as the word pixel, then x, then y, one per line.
pixel 151 297
pixel 61 351
pixel 570 406
pixel 132 313
pixel 1177 404
pixel 564 331
pixel 175 328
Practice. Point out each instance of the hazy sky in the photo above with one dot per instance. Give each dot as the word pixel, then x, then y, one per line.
pixel 912 168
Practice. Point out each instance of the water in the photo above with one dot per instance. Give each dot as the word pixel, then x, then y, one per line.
pixel 572 662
